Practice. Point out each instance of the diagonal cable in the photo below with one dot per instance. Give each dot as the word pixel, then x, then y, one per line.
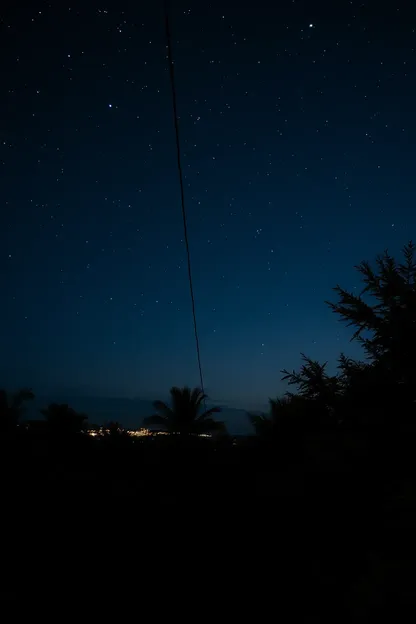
pixel 178 154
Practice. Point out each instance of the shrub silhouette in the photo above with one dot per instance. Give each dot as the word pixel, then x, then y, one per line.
pixel 12 408
pixel 63 420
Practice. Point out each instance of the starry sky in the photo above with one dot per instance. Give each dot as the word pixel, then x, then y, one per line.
pixel 297 134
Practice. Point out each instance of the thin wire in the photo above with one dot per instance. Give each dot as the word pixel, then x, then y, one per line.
pixel 178 153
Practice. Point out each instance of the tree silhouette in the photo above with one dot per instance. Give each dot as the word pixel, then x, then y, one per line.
pixel 386 328
pixel 318 393
pixel 184 415
pixel 362 398
pixel 282 430
pixel 12 407
pixel 63 420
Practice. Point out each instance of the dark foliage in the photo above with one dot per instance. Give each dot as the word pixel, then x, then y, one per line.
pixel 378 394
pixel 185 416
pixel 12 408
pixel 384 318
pixel 333 455
pixel 112 432
pixel 63 420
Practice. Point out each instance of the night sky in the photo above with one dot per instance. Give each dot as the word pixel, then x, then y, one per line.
pixel 297 127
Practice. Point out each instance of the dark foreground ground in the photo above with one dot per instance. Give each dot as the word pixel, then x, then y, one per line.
pixel 324 535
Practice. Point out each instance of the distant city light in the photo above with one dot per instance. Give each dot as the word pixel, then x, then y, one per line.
pixel 135 433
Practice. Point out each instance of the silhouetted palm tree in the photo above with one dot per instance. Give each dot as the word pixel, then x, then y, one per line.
pixel 184 416
pixel 63 420
pixel 12 407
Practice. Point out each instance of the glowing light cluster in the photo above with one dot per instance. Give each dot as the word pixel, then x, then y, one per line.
pixel 135 433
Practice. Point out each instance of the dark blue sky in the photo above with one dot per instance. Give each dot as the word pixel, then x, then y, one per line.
pixel 298 131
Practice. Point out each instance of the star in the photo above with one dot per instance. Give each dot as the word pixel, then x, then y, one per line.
pixel 271 186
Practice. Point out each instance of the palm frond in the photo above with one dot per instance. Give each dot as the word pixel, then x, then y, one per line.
pixel 207 414
pixel 183 415
pixel 164 409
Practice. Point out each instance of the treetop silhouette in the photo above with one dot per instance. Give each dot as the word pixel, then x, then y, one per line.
pixel 389 325
pixel 391 319
pixel 378 391
pixel 184 416
pixel 62 419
